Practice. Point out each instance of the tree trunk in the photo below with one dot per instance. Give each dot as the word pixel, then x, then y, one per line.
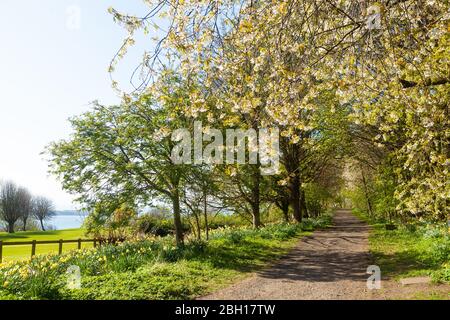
pixel 285 210
pixel 10 227
pixel 283 205
pixel 192 227
pixel 177 218
pixel 256 214
pixel 205 213
pixel 42 224
pixel 291 159
pixel 197 225
pixel 25 224
pixel 366 192
pixel 294 187
pixel 303 206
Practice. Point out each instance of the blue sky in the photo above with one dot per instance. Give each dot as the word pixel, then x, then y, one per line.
pixel 50 71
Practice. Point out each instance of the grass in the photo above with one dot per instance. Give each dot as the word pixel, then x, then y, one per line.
pixel 22 252
pixel 154 268
pixel 411 250
pixel 219 265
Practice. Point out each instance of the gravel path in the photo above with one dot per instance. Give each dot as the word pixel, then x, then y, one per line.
pixel 330 264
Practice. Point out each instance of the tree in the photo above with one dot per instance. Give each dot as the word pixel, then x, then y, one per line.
pixel 25 203
pixel 43 210
pixel 9 205
pixel 279 194
pixel 267 71
pixel 125 152
pixel 387 60
pixel 198 196
pixel 241 190
pixel 397 81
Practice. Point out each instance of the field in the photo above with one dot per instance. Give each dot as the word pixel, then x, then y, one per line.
pixel 12 253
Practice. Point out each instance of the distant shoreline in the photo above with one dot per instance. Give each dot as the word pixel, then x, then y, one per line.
pixel 70 213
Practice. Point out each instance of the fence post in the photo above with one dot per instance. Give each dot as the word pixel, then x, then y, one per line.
pixel 95 243
pixel 1 251
pixel 79 244
pixel 33 248
pixel 60 246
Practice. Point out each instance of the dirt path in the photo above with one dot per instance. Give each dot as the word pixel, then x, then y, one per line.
pixel 330 264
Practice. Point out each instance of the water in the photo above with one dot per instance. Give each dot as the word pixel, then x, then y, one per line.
pixel 61 221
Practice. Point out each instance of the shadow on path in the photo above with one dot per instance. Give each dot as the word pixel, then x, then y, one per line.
pixel 330 264
pixel 338 253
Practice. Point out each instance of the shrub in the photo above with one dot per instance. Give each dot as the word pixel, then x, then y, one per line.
pixel 442 275
pixel 224 220
pixel 236 236
pixel 110 223
pixel 281 231
pixel 197 246
pixel 156 226
pixel 433 232
pixel 440 251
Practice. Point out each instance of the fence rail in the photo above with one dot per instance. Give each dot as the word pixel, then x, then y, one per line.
pixel 34 243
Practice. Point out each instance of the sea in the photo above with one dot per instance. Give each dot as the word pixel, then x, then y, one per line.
pixel 62 220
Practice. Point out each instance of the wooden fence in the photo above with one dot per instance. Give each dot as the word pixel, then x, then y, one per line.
pixel 34 243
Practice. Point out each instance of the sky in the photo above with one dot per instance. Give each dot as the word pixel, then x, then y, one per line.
pixel 54 56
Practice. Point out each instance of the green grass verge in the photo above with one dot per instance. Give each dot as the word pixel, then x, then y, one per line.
pixel 410 250
pixel 23 252
pixel 154 268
